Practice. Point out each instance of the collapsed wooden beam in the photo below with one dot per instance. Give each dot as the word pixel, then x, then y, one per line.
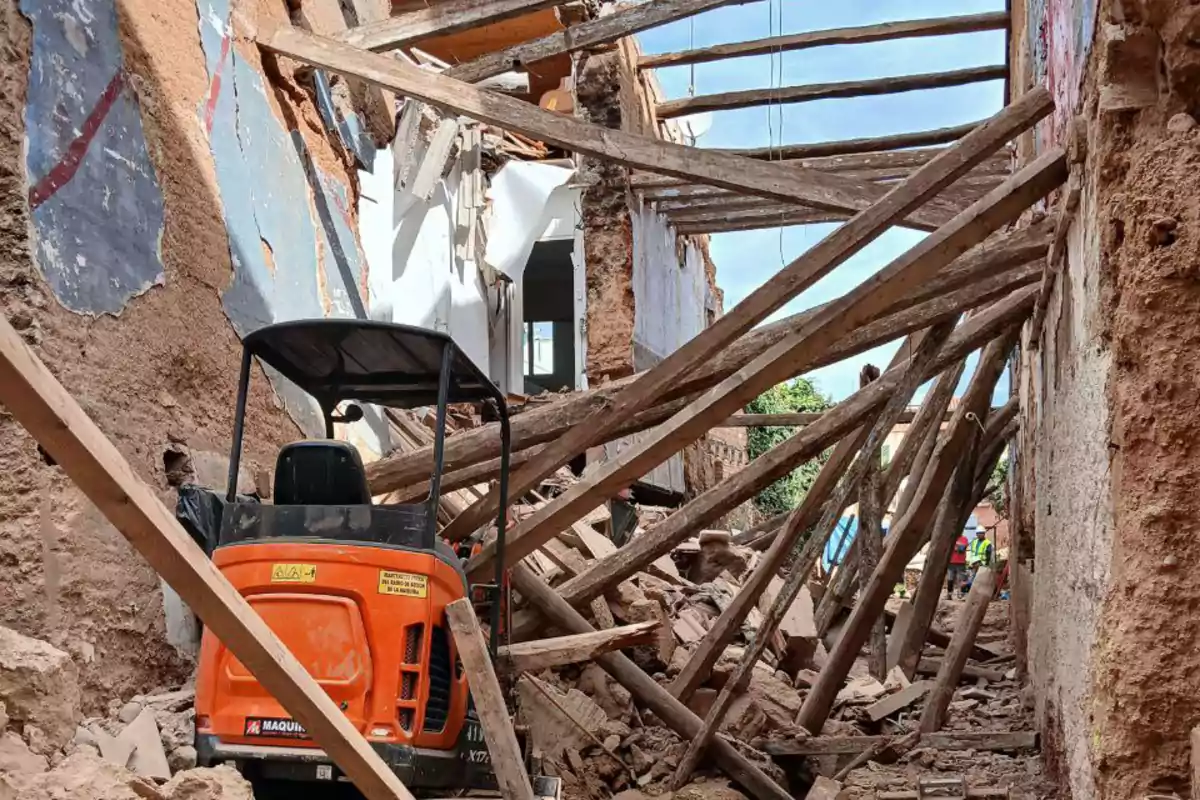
pixel 995 257
pixel 625 21
pixel 791 355
pixel 904 538
pixel 31 394
pixel 810 267
pixel 825 91
pixel 498 731
pixel 866 459
pixel 810 187
pixel 645 690
pixel 885 31
pixel 958 740
pixel 847 415
pixel 538 655
pixel 894 141
pixel 439 19
pixel 938 701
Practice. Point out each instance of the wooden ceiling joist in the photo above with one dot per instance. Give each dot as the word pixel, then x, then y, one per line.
pixel 755 220
pixel 813 188
pixel 824 91
pixel 844 147
pixel 441 19
pixel 624 22
pixel 858 35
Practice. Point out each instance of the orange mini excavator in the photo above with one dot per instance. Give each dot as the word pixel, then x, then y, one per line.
pixel 356 590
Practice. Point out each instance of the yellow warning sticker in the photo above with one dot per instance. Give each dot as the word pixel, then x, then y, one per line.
pixel 403 583
pixel 293 573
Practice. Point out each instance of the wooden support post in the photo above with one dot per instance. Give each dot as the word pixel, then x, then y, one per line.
pixel 870 541
pixel 941 26
pixel 913 373
pixel 905 535
pixel 538 655
pixel 952 514
pixel 646 691
pixel 823 91
pixel 794 353
pixel 1007 253
pixel 497 725
pixel 408 28
pixel 934 713
pixel 39 402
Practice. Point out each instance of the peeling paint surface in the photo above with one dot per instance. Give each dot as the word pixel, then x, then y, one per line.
pixel 96 202
pixel 293 246
pixel 1060 34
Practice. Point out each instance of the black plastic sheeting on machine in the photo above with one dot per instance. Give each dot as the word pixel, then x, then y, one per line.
pixel 200 510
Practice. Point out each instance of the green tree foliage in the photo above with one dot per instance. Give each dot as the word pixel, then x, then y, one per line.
pixel 790 397
pixel 996 486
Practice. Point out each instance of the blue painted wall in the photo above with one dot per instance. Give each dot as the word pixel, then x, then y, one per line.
pixel 96 204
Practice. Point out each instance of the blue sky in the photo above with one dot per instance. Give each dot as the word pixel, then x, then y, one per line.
pixel 746 259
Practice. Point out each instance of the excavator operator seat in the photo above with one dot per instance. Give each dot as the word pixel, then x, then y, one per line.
pixel 320 473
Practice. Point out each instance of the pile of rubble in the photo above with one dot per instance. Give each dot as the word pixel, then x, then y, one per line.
pixel 141 751
pixel 589 732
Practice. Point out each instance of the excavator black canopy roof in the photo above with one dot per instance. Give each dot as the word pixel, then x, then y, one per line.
pixel 371 362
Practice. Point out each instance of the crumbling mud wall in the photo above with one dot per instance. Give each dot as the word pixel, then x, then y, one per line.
pixel 1110 402
pixel 157 373
pixel 607 228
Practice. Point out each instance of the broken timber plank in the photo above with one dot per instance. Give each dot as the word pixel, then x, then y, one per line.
pixel 904 537
pixel 646 691
pixel 538 655
pixel 971 617
pixel 900 700
pixel 913 374
pixel 794 353
pixel 825 91
pixel 467 448
pixel 39 402
pixel 846 745
pixel 437 19
pixel 625 21
pixel 940 26
pixel 498 731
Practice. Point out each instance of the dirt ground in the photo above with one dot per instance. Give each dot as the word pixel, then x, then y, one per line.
pixel 164 371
